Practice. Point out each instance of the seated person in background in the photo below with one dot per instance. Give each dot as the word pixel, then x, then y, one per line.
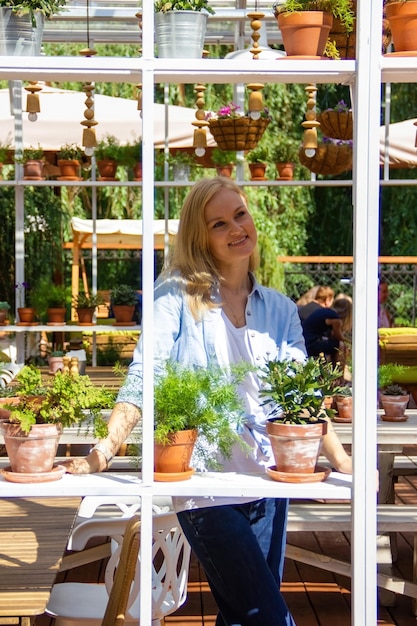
pixel 306 300
pixel 343 306
pixel 322 329
pixel 384 317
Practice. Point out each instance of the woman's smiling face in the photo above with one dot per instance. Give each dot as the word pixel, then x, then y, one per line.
pixel 231 230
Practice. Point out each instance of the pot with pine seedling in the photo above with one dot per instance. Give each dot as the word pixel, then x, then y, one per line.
pixel 298 418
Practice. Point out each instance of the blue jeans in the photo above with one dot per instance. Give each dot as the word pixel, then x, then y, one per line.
pixel 242 548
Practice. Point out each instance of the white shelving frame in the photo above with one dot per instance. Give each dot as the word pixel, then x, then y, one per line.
pixel 365 76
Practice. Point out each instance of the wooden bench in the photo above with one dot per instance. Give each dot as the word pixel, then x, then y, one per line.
pixel 319 516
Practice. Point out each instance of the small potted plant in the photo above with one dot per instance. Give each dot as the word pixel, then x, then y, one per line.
pixel 32 432
pixel 401 15
pixel 86 304
pixel 344 404
pixel 180 27
pixel 192 403
pixel 69 159
pixel 284 153
pixel 50 301
pixel 258 159
pixel 108 154
pixel 224 161
pixel 32 160
pixel 393 397
pixel 296 391
pixel 4 312
pixel 297 18
pixel 131 157
pixel 123 299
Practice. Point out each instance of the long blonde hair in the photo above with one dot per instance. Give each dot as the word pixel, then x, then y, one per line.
pixel 191 256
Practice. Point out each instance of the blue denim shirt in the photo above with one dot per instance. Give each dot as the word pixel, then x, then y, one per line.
pixel 272 320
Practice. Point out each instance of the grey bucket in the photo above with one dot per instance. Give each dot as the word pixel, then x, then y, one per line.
pixel 180 34
pixel 18 37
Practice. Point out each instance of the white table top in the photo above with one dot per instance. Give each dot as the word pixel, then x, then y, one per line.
pixel 336 486
pixel 388 433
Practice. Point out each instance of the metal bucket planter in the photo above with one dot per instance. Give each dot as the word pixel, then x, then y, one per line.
pixel 18 36
pixel 180 34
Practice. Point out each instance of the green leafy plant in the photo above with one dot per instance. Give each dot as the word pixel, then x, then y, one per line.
pixel 5 147
pixel 31 154
pixel 123 295
pixel 223 157
pixel 297 389
pixel 46 7
pixel 4 305
pixel 70 152
pixel 108 148
pixel 205 399
pixel 131 153
pixel 345 391
pixel 284 148
pixel 67 400
pixel 260 154
pixel 182 5
pixel 87 301
pixel 388 373
pixel 341 9
pixel 47 295
pixel 29 382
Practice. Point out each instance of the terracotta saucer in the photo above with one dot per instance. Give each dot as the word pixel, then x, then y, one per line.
pixel 167 477
pixel 318 476
pixel 342 420
pixel 388 418
pixel 27 323
pixel 33 477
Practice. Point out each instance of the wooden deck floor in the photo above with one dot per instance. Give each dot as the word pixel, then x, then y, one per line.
pixel 315 597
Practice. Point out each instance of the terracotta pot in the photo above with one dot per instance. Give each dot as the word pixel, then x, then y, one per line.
pixel 224 170
pixel 5 413
pixel 402 17
pixel 32 170
pixel 4 313
pixel 176 456
pixel 123 313
pixel 345 407
pixel 26 314
pixel 257 171
pixel 56 364
pixel 56 315
pixel 70 169
pixel 304 33
pixel 137 172
pixel 107 169
pixel 85 316
pixel 34 452
pixel 394 406
pixel 285 171
pixel 296 447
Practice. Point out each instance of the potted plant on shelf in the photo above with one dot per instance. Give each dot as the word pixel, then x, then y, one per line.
pixel 284 153
pixel 4 312
pixel 85 305
pixel 25 310
pixel 402 16
pixel 5 147
pixel 108 153
pixel 180 27
pixel 199 407
pixel 296 392
pixel 123 300
pixel 69 159
pixel 305 24
pixel 258 159
pixel 393 398
pixel 224 161
pixel 32 432
pixel 32 161
pixel 344 404
pixel 50 301
pixel 131 157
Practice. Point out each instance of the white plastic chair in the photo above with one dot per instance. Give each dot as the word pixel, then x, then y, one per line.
pixel 78 604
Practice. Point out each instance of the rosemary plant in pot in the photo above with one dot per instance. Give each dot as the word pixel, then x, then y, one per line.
pixel 32 432
pixel 297 426
pixel 202 408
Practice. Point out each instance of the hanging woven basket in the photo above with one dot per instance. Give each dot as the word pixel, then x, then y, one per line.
pixel 336 124
pixel 242 133
pixel 330 159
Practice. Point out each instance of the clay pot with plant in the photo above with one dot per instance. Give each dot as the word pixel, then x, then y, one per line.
pixel 344 404
pixel 402 18
pixel 50 301
pixel 284 153
pixel 224 161
pixel 393 398
pixel 258 159
pixel 296 391
pixel 69 159
pixel 197 412
pixel 33 162
pixel 4 312
pixel 108 155
pixel 86 305
pixel 31 434
pixel 123 300
pixel 131 157
pixel 305 25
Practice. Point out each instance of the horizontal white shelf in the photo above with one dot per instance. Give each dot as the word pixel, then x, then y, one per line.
pixel 68 328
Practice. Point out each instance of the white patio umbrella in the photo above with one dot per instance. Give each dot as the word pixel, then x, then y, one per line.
pixel 401 150
pixel 62 111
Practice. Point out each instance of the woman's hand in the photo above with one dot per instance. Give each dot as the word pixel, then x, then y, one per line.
pixel 94 462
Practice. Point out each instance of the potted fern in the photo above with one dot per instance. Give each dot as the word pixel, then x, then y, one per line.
pixel 196 409
pixel 295 392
